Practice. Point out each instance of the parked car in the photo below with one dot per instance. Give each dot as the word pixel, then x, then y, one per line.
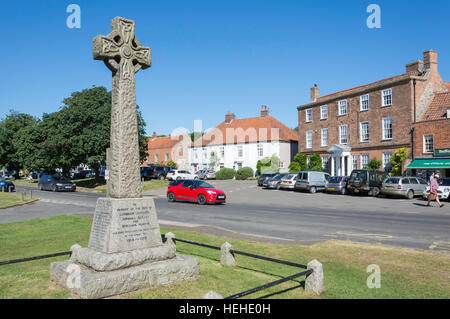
pixel 365 181
pixel 160 172
pixel 288 181
pixel 403 186
pixel 206 174
pixel 146 172
pixel 443 190
pixel 56 183
pixel 274 182
pixel 176 174
pixel 195 191
pixel 263 177
pixel 337 184
pixel 311 181
pixel 6 185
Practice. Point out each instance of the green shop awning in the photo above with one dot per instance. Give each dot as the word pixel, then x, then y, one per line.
pixel 430 163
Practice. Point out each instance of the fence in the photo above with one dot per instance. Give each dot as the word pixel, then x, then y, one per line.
pixel 313 272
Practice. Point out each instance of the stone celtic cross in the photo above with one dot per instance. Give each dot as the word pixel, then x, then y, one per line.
pixel 124 55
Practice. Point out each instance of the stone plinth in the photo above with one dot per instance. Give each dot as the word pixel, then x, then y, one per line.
pixel 125 253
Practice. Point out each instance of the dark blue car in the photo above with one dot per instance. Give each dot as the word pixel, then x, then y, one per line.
pixel 6 186
pixel 56 183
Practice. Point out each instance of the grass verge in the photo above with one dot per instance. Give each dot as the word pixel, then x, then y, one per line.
pixel 12 199
pixel 405 273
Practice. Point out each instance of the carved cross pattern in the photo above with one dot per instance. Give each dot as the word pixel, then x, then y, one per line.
pixel 124 55
pixel 121 50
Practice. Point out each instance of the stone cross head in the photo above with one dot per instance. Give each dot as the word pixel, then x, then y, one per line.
pixel 121 49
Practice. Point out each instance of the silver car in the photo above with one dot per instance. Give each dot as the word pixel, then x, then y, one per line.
pixel 403 186
pixel 206 174
pixel 337 184
pixel 288 181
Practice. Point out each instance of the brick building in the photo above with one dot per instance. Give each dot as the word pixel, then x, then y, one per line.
pixel 353 126
pixel 431 139
pixel 168 148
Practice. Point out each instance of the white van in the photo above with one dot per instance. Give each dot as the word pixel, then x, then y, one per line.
pixel 311 181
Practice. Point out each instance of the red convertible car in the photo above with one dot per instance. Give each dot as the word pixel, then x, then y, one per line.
pixel 194 191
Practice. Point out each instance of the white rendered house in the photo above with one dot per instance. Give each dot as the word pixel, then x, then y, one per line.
pixel 237 143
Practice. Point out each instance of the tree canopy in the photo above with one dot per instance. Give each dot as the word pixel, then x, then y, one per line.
pixel 77 134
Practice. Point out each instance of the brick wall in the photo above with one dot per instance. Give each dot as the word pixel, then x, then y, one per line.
pixel 440 129
pixel 400 111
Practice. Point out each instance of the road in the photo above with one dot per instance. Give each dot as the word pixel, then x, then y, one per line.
pixel 277 216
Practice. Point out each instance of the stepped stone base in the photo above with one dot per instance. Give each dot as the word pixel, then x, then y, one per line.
pixel 84 282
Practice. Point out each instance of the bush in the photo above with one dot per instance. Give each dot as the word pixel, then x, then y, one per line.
pixel 244 173
pixel 225 173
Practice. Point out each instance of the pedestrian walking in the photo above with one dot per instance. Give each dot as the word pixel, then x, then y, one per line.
pixel 434 185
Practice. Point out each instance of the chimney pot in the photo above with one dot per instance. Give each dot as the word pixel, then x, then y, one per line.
pixel 314 93
pixel 264 111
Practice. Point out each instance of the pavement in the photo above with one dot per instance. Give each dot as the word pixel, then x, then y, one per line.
pixel 278 216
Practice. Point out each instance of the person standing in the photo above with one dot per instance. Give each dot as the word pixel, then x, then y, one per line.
pixel 434 185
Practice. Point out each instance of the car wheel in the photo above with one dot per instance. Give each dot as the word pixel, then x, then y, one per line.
pixel 344 191
pixel 312 190
pixel 278 186
pixel 40 187
pixel 375 191
pixel 196 177
pixel 171 197
pixel 54 188
pixel 201 199
pixel 161 177
pixel 410 194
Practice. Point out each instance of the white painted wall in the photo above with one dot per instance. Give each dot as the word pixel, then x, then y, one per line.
pixel 231 159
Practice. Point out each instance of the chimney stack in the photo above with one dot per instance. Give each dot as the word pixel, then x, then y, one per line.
pixel 430 60
pixel 264 111
pixel 229 117
pixel 314 93
pixel 414 67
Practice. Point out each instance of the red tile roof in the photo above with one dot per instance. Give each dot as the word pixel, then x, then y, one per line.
pixel 437 109
pixel 163 142
pixel 254 129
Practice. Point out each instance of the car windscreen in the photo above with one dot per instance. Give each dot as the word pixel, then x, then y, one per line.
pixel 175 183
pixel 279 176
pixel 289 176
pixel 444 181
pixel 392 180
pixel 358 175
pixel 202 184
pixel 334 179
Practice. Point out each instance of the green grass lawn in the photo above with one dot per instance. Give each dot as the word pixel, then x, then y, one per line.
pixel 405 273
pixel 13 199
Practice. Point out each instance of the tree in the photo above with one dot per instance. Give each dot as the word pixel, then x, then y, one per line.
pixel 213 160
pixel 299 163
pixel 11 129
pixel 78 133
pixel 315 163
pixel 397 161
pixel 171 164
pixel 374 164
pixel 268 164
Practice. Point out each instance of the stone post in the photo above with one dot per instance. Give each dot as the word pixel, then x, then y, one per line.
pixel 314 281
pixel 170 239
pixel 212 295
pixel 227 257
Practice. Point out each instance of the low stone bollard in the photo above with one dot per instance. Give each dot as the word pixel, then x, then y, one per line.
pixel 314 281
pixel 227 257
pixel 170 239
pixel 212 295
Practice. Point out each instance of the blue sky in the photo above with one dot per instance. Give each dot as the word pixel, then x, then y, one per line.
pixel 210 57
